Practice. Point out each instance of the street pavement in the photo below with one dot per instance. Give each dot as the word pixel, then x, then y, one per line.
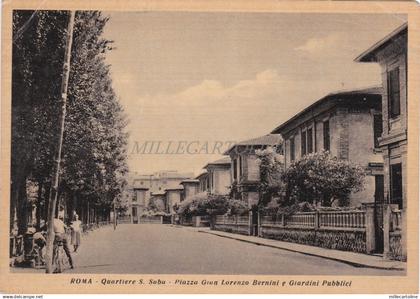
pixel 165 249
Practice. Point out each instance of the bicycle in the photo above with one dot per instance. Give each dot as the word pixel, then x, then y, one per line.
pixel 60 261
pixel 37 257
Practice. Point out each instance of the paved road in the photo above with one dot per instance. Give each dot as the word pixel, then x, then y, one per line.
pixel 163 249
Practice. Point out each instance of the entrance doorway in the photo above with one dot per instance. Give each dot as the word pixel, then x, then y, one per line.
pixel 134 215
pixel 396 185
pixel 254 221
pixel 378 213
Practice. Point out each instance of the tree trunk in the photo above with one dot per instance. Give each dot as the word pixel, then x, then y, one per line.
pixel 22 209
pixel 18 189
pixel 46 200
pixel 39 203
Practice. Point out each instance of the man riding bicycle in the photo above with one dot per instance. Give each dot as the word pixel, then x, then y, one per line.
pixel 60 236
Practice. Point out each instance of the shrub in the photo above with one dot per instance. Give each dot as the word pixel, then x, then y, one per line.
pixel 187 207
pixel 215 205
pixel 234 192
pixel 321 178
pixel 295 208
pixel 156 205
pixel 237 207
pixel 203 204
pixel 154 213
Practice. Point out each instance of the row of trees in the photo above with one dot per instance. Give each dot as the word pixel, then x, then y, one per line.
pixel 94 165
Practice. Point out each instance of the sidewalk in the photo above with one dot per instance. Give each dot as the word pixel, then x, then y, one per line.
pixel 352 258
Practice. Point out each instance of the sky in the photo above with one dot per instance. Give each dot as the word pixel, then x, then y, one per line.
pixel 194 83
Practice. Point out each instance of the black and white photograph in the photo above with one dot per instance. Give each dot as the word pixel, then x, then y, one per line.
pixel 209 143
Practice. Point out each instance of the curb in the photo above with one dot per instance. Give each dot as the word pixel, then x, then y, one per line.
pixel 354 264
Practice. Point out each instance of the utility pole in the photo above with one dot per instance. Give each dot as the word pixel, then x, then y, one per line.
pixel 56 166
pixel 115 214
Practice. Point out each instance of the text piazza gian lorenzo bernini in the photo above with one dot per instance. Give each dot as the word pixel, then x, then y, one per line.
pixel 221 282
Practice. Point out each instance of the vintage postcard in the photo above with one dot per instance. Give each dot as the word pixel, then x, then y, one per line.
pixel 209 147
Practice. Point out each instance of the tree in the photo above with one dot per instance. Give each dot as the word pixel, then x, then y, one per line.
pixel 95 142
pixel 38 51
pixel 320 178
pixel 271 170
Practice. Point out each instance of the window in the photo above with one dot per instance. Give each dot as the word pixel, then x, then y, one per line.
pixel 377 128
pixel 310 144
pixel 394 93
pixel 235 169
pixel 326 133
pixel 396 185
pixel 279 149
pixel 240 166
pixel 303 143
pixel 292 148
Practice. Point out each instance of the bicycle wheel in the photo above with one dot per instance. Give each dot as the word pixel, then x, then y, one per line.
pixel 56 260
pixel 64 261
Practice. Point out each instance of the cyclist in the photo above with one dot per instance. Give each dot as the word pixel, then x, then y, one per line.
pixel 60 235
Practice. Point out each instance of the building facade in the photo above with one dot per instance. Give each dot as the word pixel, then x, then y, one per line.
pixel 173 197
pixel 190 188
pixel 203 179
pixel 391 54
pixel 138 203
pixel 144 187
pixel 218 176
pixel 159 181
pixel 348 125
pixel 245 171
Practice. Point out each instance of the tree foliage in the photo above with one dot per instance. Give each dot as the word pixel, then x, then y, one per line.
pixel 271 171
pixel 203 204
pixel 237 207
pixel 94 147
pixel 320 178
pixel 156 205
